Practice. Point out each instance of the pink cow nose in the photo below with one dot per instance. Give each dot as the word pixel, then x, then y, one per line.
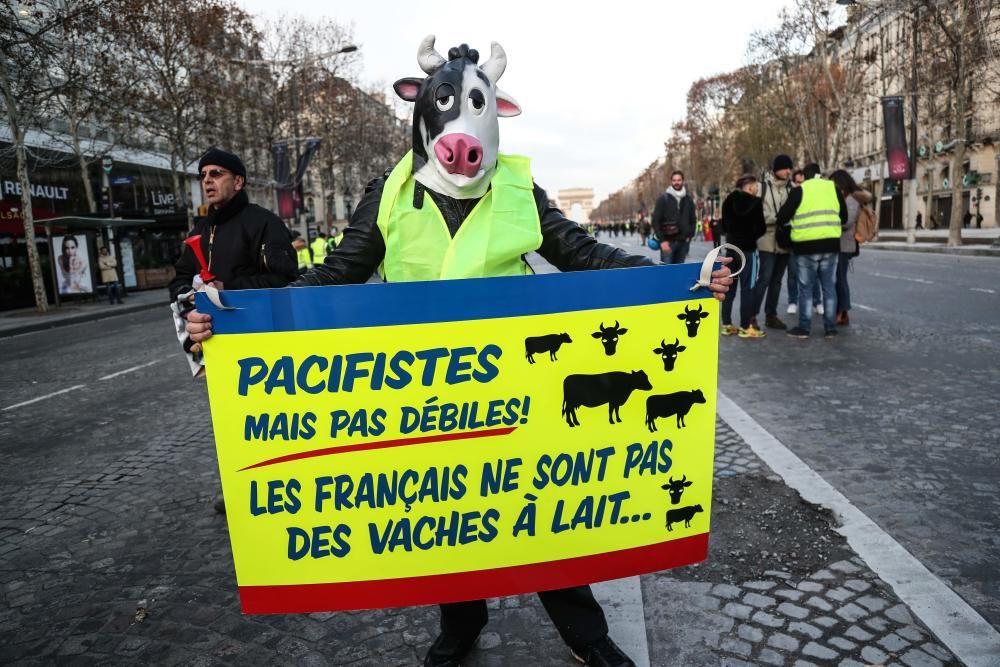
pixel 459 154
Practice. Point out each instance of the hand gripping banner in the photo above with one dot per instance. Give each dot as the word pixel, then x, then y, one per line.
pixel 415 443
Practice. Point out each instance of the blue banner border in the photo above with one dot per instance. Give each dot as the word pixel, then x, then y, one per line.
pixel 388 304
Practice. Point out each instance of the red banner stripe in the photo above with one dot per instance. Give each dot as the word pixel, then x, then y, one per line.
pixel 384 444
pixel 455 587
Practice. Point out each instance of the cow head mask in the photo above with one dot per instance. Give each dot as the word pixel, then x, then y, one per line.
pixel 455 130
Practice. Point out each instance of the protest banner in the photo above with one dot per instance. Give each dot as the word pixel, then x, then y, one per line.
pixel 414 443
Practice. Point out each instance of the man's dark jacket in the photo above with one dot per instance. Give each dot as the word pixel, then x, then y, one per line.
pixel 251 249
pixel 565 244
pixel 668 211
pixel 783 227
pixel 743 219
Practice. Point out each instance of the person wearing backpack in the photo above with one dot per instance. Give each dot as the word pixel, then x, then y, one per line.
pixel 857 201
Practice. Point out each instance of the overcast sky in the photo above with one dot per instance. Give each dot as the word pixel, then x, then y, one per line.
pixel 600 83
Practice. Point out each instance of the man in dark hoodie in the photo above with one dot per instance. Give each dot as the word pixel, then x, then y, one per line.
pixel 812 219
pixel 743 223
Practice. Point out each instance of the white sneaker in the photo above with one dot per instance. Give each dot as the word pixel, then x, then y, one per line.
pixel 793 309
pixel 818 308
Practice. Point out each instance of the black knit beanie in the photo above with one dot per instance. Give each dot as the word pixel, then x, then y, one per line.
pixel 782 162
pixel 224 159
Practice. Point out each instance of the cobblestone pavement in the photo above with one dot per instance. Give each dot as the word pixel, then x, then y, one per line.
pixel 84 548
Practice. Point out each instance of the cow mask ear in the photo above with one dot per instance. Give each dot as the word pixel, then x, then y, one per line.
pixel 507 106
pixel 408 88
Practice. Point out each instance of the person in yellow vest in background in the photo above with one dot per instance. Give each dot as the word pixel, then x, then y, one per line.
pixel 408 223
pixel 812 219
pixel 302 252
pixel 319 248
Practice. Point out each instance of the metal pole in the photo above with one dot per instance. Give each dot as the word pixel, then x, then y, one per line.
pixel 52 263
pixel 295 129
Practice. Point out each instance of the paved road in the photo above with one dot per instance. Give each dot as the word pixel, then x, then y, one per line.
pixel 902 411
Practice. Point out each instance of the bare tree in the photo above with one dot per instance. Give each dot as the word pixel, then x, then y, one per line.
pixel 96 93
pixel 966 35
pixel 31 79
pixel 178 53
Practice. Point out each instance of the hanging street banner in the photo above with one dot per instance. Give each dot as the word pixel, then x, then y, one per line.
pixel 415 443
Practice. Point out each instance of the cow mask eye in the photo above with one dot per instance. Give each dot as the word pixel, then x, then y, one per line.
pixel 444 97
pixel 477 101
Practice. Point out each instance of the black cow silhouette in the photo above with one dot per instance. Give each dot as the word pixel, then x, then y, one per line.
pixel 665 405
pixel 669 352
pixel 675 489
pixel 549 343
pixel 692 318
pixel 684 514
pixel 609 337
pixel 589 391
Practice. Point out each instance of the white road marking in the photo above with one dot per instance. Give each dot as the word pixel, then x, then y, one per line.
pixel 922 281
pixel 858 305
pixel 42 398
pixel 981 289
pixel 129 370
pixel 960 627
pixel 626 616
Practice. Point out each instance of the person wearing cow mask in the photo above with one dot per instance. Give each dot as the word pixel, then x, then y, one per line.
pixel 406 224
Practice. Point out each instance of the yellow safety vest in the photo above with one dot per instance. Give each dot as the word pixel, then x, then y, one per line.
pixel 503 226
pixel 305 259
pixel 319 250
pixel 818 215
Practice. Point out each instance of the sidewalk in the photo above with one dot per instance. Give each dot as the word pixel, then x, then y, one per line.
pixel 980 242
pixel 27 320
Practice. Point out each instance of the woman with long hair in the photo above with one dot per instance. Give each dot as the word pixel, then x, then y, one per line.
pixel 855 198
pixel 73 267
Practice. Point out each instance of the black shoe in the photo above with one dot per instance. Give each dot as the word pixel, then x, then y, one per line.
pixel 448 650
pixel 830 333
pixel 797 332
pixel 773 322
pixel 602 653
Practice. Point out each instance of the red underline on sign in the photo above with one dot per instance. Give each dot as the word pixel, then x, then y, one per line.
pixel 474 585
pixel 385 444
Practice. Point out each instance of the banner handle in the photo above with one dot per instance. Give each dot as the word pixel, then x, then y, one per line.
pixel 705 279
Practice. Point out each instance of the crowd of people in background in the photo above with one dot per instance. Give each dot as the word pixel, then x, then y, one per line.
pixel 794 227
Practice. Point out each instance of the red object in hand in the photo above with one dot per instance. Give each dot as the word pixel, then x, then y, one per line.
pixel 194 242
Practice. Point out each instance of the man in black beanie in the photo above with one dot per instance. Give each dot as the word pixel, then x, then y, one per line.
pixel 245 246
pixel 773 259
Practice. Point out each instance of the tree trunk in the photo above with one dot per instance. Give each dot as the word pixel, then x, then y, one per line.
pixel 88 188
pixel 17 133
pixel 34 261
pixel 958 122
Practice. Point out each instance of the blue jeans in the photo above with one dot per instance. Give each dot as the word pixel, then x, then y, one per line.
pixel 843 289
pixel 772 270
pixel 677 254
pixel 793 284
pixel 747 280
pixel 825 265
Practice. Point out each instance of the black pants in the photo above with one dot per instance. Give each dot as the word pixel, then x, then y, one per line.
pixel 574 611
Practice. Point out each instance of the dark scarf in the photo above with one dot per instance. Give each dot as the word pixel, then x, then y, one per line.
pixel 228 210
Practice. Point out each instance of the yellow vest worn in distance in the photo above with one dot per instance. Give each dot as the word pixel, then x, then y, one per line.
pixel 305 259
pixel 503 226
pixel 818 215
pixel 318 250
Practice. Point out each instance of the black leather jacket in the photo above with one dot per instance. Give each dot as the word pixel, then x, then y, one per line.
pixel 565 244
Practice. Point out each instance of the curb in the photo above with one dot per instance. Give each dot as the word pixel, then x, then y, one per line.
pixel 973 251
pixel 101 314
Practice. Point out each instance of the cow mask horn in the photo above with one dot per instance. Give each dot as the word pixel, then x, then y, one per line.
pixel 456 135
